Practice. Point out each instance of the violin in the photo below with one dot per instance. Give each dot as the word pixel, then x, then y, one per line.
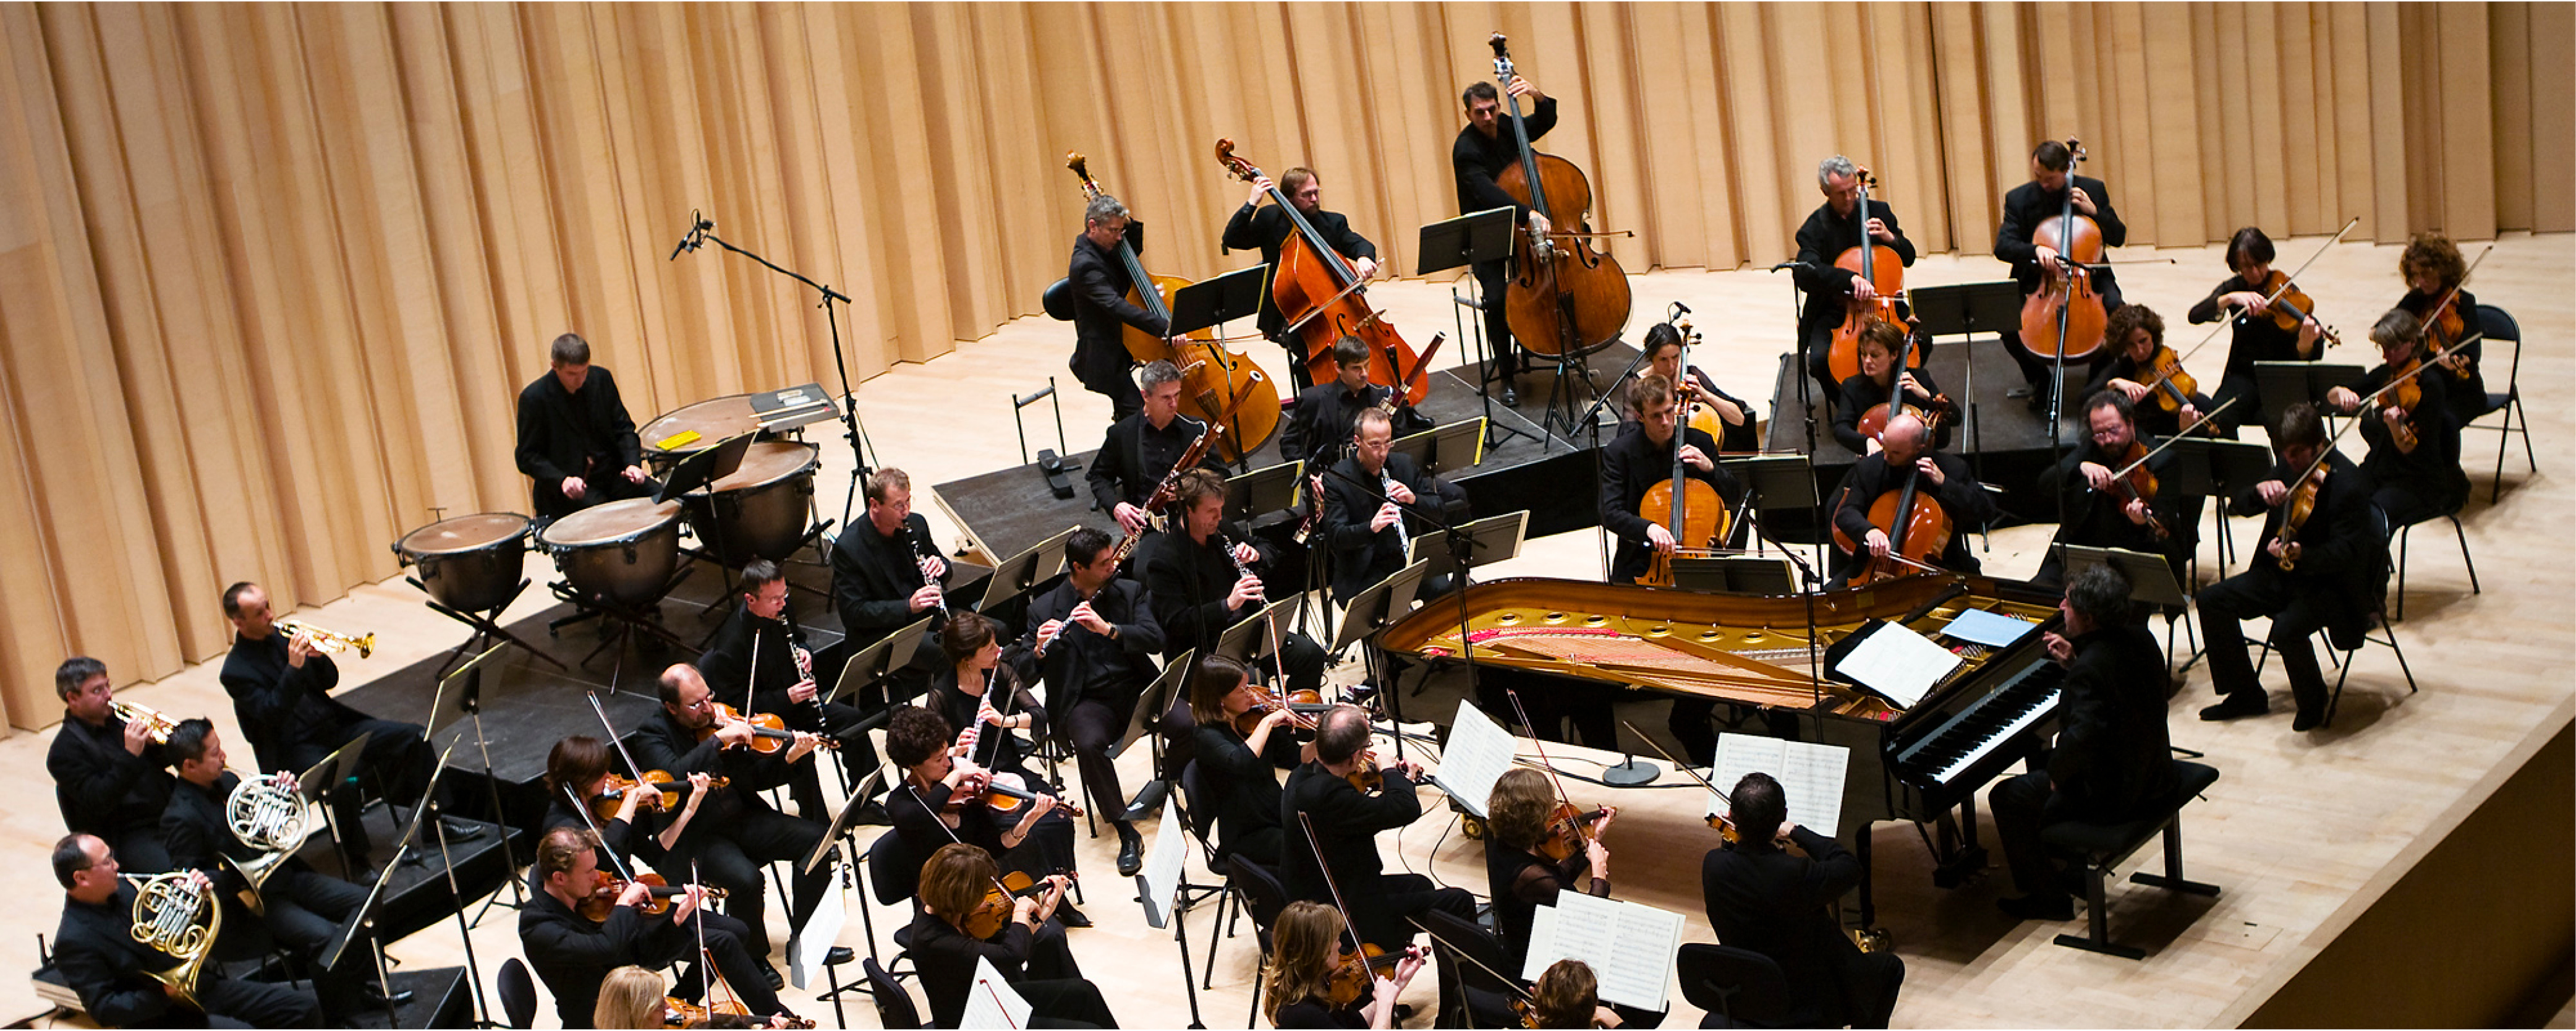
pixel 1568 828
pixel 1219 381
pixel 2301 503
pixel 995 911
pixel 1886 277
pixel 603 899
pixel 2166 382
pixel 662 792
pixel 1355 969
pixel 2289 307
pixel 1918 528
pixel 1006 793
pixel 2406 395
pixel 2445 331
pixel 684 1013
pixel 2066 317
pixel 1302 707
pixel 2138 484
pixel 769 734
pixel 1366 777
pixel 1564 297
pixel 1324 299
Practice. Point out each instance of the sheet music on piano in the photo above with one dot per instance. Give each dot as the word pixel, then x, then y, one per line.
pixel 1478 754
pixel 1895 662
pixel 1811 776
pixel 1630 947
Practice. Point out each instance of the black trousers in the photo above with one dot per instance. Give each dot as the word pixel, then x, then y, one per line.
pixel 1870 982
pixel 1094 726
pixel 396 756
pixel 1065 1002
pixel 1493 282
pixel 734 964
pixel 2023 805
pixel 1179 731
pixel 2406 505
pixel 2298 611
pixel 2035 368
pixel 139 849
pixel 236 1003
pixel 1262 846
pixel 305 912
pixel 729 854
pixel 1381 919
pixel 1816 346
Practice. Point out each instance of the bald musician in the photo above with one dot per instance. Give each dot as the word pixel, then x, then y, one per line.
pixel 1906 446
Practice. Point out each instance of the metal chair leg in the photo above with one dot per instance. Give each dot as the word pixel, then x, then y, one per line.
pixel 2402 534
pixel 2463 534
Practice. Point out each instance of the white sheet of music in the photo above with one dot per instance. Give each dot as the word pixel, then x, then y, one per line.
pixel 1899 663
pixel 1479 753
pixel 1630 947
pixel 1161 878
pixel 1811 776
pixel 814 940
pixel 992 1004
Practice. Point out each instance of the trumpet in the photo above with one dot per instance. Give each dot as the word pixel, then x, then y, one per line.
pixel 271 819
pixel 175 914
pixel 327 641
pixel 132 713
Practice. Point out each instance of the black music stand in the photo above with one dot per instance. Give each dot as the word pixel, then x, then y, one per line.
pixel 2150 577
pixel 1263 491
pixel 1014 576
pixel 1382 603
pixel 699 472
pixel 469 704
pixel 1967 309
pixel 1736 574
pixel 1218 299
pixel 328 775
pixel 1488 540
pixel 2282 384
pixel 1772 482
pixel 2217 469
pixel 365 918
pixel 1446 448
pixel 1467 240
pixel 1244 641
pixel 873 662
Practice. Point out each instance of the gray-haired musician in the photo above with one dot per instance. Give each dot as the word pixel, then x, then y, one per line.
pixel 1100 284
pixel 95 951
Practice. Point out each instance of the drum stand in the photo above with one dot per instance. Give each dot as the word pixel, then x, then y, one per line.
pixel 619 622
pixel 487 628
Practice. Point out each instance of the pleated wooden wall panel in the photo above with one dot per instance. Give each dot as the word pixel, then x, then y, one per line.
pixel 270 275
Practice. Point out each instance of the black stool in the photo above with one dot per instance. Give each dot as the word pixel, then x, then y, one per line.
pixel 2106 845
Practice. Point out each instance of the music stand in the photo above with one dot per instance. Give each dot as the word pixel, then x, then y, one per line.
pixel 873 662
pixel 2282 384
pixel 1489 540
pixel 1774 482
pixel 1736 574
pixel 2214 468
pixel 1382 603
pixel 469 704
pixel 1466 240
pixel 1156 700
pixel 704 467
pixel 2150 577
pixel 1263 491
pixel 1210 301
pixel 1966 309
pixel 845 823
pixel 1445 448
pixel 1014 576
pixel 1239 641
pixel 365 916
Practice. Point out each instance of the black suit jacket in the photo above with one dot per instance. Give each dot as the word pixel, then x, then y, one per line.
pixel 1860 393
pixel 2112 747
pixel 1475 160
pixel 1187 583
pixel 663 744
pixel 573 955
pixel 1346 825
pixel 2027 206
pixel 749 649
pixel 1319 427
pixel 1775 903
pixel 1968 504
pixel 101 788
pixel 95 950
pixel 2342 557
pixel 1120 472
pixel 873 577
pixel 563 434
pixel 1361 556
pixel 1081 664
pixel 278 705
pixel 1100 284
pixel 1268 227
pixel 2094 519
pixel 1824 237
pixel 1632 465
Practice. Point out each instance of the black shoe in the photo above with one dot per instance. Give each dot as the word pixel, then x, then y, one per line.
pixel 1511 397
pixel 1131 850
pixel 2308 720
pixel 1070 917
pixel 1403 1012
pixel 374 996
pixel 874 814
pixel 462 830
pixel 1148 803
pixel 2020 391
pixel 2240 704
pixel 838 955
pixel 2046 906
pixel 777 981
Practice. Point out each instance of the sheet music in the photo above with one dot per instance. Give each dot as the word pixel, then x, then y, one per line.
pixel 1630 947
pixel 814 940
pixel 1162 874
pixel 1479 752
pixel 1992 629
pixel 991 1003
pixel 1897 662
pixel 1811 776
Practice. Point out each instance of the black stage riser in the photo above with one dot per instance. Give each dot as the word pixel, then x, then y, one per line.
pixel 440 999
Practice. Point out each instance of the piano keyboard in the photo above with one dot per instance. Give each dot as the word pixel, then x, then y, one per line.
pixel 1964 741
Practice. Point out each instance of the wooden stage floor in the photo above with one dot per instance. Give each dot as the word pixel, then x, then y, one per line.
pixel 2302 830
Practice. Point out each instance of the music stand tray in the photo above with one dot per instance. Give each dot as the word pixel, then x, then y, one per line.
pixel 2150 577
pixel 1381 604
pixel 334 769
pixel 704 467
pixel 1446 448
pixel 1239 641
pixel 845 821
pixel 1490 540
pixel 1465 240
pixel 2218 468
pixel 1263 491
pixel 1156 700
pixel 1221 299
pixel 1014 576
pixel 1736 574
pixel 1775 481
pixel 873 662
pixel 1966 308
pixel 2283 384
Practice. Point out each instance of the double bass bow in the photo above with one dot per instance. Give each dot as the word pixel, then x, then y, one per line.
pixel 1323 299
pixel 1886 278
pixel 1564 298
pixel 2065 317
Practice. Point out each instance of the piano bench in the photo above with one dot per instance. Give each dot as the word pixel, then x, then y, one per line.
pixel 2104 846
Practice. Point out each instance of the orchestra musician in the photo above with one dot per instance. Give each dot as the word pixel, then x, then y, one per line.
pixel 1519 876
pixel 1321 422
pixel 2433 269
pixel 978 687
pixel 1906 445
pixel 1094 639
pixel 1880 377
pixel 736 832
pixel 2256 338
pixel 575 438
pixel 1346 821
pixel 2043 198
pixel 303 909
pixel 1366 524
pixel 1308 940
pixel 2338 576
pixel 1567 995
pixel 2111 755
pixel 95 951
pixel 1192 579
pixel 574 954
pixel 1100 285
pixel 886 575
pixel 1142 447
pixel 577 766
pixel 2134 334
pixel 1663 348
pixel 941 801
pixel 2100 513
pixel 281 691
pixel 1481 152
pixel 1762 897
pixel 111 779
pixel 1834 227
pixel 1237 770
pixel 1638 459
pixel 2414 483
pixel 955 881
pixel 1254 226
pixel 757 645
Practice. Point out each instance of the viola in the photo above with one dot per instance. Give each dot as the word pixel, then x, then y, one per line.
pixel 2138 485
pixel 769 734
pixel 1353 971
pixel 1366 777
pixel 1886 277
pixel 2289 307
pixel 688 1014
pixel 2166 382
pixel 662 792
pixel 657 901
pixel 1918 528
pixel 2301 503
pixel 1301 705
pixel 2066 316
pixel 994 912
pixel 1325 299
pixel 1564 297
pixel 2406 395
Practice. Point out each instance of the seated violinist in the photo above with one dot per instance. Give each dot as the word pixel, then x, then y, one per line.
pixel 981 693
pixel 1905 457
pixel 2414 460
pixel 1237 769
pixel 1663 348
pixel 1880 376
pixel 1345 821
pixel 2323 565
pixel 956 884
pixel 573 936
pixel 1567 995
pixel 1522 842
pixel 1764 898
pixel 1307 985
pixel 2102 510
pixel 2433 272
pixel 941 801
pixel 2134 335
pixel 2246 299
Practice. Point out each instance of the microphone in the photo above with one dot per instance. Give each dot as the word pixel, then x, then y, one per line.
pixel 689 241
pixel 1680 307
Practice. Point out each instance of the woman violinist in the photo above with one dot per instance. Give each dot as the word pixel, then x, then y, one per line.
pixel 2414 460
pixel 1881 376
pixel 2247 297
pixel 1236 767
pixel 1311 986
pixel 943 799
pixel 2141 369
pixel 1734 418
pixel 2433 272
pixel 1567 994
pixel 1531 855
pixel 960 881
pixel 577 767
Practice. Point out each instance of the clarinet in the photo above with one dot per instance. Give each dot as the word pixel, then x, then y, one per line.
pixel 920 556
pixel 1241 571
pixel 1386 486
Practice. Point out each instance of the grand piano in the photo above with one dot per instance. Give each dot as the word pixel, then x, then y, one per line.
pixel 1923 763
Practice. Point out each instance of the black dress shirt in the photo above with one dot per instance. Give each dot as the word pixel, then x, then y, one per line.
pixel 573 955
pixel 198 832
pixel 1517 895
pixel 661 743
pixel 1081 663
pixel 1243 780
pixel 1186 583
pixel 279 705
pixel 2257 339
pixel 2112 746
pixel 1362 556
pixel 1266 227
pixel 1632 465
pixel 874 575
pixel 945 957
pixel 1774 903
pixel 586 434
pixel 2027 206
pixel 1475 159
pixel 1100 284
pixel 103 789
pixel 1346 825
pixel 2096 519
pixel 1861 393
pixel 1136 455
pixel 1824 237
pixel 1319 428
pixel 1968 504
pixel 750 649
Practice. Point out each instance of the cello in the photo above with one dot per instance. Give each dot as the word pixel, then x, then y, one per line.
pixel 1918 528
pixel 2065 317
pixel 1218 380
pixel 1324 299
pixel 1888 278
pixel 1687 507
pixel 1565 299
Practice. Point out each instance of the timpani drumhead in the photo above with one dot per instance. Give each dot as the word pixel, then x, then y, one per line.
pixel 610 523
pixel 463 534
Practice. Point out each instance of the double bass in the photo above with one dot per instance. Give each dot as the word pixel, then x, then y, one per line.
pixel 1886 277
pixel 1324 299
pixel 2065 318
pixel 1217 381
pixel 1564 298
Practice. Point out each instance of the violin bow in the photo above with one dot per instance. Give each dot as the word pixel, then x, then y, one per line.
pixel 1316 846
pixel 2169 441
pixel 1580 827
pixel 632 767
pixel 1678 763
pixel 611 853
pixel 2436 314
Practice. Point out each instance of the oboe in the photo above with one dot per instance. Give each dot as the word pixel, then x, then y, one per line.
pixel 921 557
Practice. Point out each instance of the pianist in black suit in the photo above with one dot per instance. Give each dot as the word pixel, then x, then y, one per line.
pixel 2111 755
pixel 1764 898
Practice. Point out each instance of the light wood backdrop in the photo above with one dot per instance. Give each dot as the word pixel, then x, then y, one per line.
pixel 270 275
